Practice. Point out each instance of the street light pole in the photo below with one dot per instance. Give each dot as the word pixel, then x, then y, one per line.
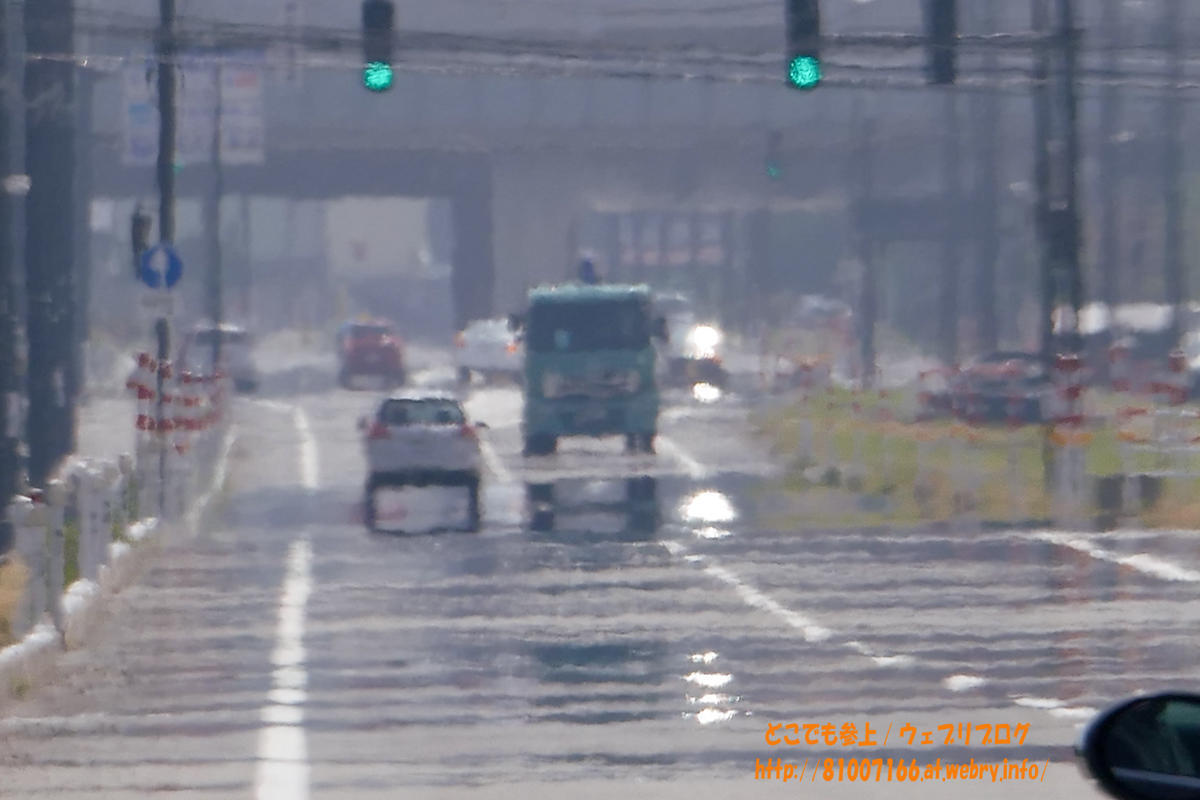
pixel 166 49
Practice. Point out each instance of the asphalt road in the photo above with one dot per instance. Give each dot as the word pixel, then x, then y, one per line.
pixel 616 651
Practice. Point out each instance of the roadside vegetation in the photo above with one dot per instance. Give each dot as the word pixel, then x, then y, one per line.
pixel 859 459
pixel 13 575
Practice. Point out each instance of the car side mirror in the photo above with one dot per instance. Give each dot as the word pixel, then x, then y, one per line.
pixel 483 426
pixel 660 329
pixel 1145 747
pixel 362 423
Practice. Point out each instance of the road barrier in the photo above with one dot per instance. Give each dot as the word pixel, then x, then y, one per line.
pixel 72 536
pixel 192 406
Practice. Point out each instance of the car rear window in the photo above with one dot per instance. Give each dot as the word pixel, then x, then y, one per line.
pixel 227 337
pixel 369 331
pixel 421 412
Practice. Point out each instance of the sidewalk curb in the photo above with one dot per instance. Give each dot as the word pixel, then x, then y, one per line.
pixel 32 660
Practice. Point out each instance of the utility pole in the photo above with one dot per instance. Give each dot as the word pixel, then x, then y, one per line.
pixel 166 50
pixel 1070 107
pixel 83 230
pixel 212 224
pixel 247 262
pixel 948 300
pixel 50 239
pixel 1041 180
pixel 10 384
pixel 869 288
pixel 987 165
pixel 1176 283
pixel 1057 168
pixel 1110 215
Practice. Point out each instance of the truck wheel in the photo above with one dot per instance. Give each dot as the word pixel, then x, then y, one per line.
pixel 646 443
pixel 540 494
pixel 474 517
pixel 631 442
pixel 641 489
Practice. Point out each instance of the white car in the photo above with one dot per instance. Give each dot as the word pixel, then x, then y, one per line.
pixel 237 353
pixel 489 347
pixel 421 439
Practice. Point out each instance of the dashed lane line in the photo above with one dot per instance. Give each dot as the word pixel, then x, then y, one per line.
pixel 282 770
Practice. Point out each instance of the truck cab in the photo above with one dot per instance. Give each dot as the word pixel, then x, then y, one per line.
pixel 590 365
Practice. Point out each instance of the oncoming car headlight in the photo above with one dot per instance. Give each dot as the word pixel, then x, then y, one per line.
pixel 704 340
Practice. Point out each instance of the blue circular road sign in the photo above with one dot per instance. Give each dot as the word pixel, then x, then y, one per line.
pixel 161 267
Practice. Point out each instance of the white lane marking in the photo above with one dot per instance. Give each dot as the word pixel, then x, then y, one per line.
pixel 756 599
pixel 1055 707
pixel 218 481
pixel 492 461
pixel 1142 562
pixel 308 443
pixel 814 632
pixel 282 771
pixel 275 405
pixel 961 683
pixel 694 468
pixel 308 449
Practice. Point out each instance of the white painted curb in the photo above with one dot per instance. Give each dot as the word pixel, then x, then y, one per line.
pixel 31 661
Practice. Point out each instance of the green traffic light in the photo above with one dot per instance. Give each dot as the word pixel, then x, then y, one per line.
pixel 377 76
pixel 804 72
pixel 774 172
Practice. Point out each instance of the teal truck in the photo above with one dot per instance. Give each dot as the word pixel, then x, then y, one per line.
pixel 590 365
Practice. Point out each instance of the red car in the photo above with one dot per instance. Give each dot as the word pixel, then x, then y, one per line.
pixel 370 349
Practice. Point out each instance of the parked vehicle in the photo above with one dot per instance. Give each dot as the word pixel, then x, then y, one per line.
pixel 489 348
pixel 1004 386
pixel 237 353
pixel 421 439
pixel 370 349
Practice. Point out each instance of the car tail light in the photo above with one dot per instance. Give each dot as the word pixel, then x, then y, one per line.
pixel 512 347
pixel 468 431
pixel 378 431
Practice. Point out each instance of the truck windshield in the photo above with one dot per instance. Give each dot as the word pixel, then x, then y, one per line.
pixel 600 325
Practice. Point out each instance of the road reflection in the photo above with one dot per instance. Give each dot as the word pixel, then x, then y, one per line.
pixel 591 505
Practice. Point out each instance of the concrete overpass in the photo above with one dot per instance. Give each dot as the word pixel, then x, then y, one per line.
pixel 524 159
